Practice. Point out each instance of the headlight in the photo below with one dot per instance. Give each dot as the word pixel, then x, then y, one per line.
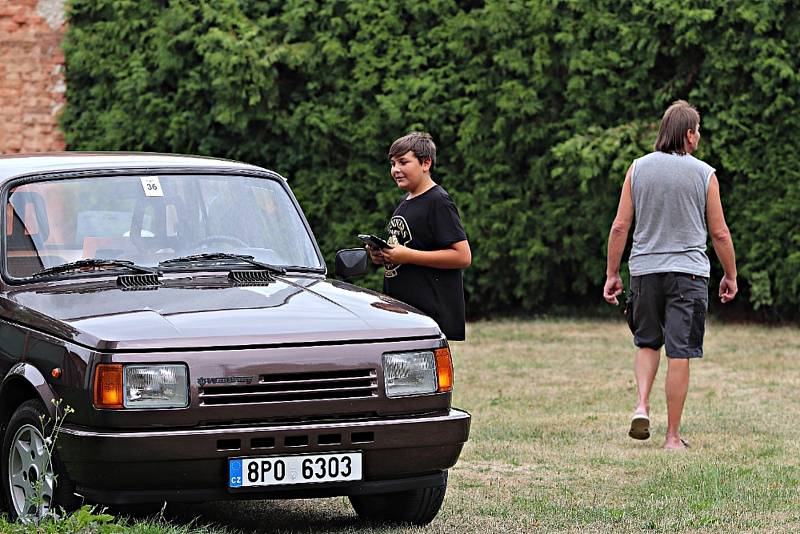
pixel 141 386
pixel 410 373
pixel 155 386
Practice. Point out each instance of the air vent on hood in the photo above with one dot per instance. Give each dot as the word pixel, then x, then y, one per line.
pixel 250 277
pixel 138 281
pixel 326 385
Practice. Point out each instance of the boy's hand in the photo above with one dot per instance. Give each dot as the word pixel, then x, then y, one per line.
pixel 398 254
pixel 375 255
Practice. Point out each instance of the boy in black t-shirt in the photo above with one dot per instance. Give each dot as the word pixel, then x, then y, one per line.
pixel 428 244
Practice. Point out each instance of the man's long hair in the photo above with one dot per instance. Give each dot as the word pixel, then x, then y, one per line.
pixel 678 118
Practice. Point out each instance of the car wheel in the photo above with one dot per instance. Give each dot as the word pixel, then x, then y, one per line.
pixel 417 507
pixel 25 466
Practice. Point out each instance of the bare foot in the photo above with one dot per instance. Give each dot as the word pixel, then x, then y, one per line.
pixel 676 444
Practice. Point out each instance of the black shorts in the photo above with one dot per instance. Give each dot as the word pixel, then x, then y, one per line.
pixel 669 309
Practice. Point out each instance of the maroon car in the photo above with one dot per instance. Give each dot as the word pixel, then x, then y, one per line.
pixel 180 306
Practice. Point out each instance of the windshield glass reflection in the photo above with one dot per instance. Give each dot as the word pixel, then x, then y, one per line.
pixel 150 219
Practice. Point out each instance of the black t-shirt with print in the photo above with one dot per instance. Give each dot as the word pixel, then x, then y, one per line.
pixel 429 221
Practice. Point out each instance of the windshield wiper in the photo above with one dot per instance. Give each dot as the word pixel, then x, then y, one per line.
pixel 220 258
pixel 94 263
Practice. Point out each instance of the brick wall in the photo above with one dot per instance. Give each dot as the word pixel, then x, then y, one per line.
pixel 31 75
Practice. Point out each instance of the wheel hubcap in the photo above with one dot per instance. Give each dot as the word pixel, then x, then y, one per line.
pixel 30 475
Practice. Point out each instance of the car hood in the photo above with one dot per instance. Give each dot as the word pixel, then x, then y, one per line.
pixel 210 311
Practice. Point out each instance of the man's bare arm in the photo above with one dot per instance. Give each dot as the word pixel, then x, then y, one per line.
pixel 721 240
pixel 617 238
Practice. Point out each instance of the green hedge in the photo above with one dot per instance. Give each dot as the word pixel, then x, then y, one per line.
pixel 537 107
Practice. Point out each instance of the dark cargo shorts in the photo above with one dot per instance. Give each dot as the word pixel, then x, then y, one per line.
pixel 669 309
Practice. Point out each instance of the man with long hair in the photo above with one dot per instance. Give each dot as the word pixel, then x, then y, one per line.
pixel 674 198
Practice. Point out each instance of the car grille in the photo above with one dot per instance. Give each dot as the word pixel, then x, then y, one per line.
pixel 325 385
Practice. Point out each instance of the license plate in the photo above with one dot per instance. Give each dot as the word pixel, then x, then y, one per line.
pixel 303 469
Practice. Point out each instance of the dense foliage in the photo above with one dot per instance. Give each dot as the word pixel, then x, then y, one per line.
pixel 538 107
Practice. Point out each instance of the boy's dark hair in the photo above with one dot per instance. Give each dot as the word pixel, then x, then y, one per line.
pixel 420 143
pixel 678 118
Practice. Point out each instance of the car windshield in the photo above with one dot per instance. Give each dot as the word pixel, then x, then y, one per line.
pixel 150 219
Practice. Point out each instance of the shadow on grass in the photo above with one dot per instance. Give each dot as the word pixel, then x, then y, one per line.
pixel 256 516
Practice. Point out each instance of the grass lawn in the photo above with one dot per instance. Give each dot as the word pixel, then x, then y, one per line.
pixel 549 450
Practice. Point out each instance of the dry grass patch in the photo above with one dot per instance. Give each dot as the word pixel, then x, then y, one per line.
pixel 557 395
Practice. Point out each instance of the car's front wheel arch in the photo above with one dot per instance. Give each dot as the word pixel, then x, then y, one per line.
pixel 14 392
pixel 21 383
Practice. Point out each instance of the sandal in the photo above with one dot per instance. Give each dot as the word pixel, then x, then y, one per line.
pixel 640 427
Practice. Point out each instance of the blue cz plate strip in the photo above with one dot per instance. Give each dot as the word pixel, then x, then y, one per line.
pixel 235 471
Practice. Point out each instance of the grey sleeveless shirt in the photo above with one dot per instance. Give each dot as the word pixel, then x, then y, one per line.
pixel 669 204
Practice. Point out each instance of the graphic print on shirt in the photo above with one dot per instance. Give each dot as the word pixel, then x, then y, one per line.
pixel 399 234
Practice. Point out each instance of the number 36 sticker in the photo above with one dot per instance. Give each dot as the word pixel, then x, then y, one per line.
pixel 151 186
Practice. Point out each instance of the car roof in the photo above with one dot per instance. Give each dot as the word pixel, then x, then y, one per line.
pixel 46 162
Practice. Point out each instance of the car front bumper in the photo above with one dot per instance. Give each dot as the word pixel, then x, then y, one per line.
pixel 192 465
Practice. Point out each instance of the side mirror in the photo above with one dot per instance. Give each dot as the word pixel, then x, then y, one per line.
pixel 351 262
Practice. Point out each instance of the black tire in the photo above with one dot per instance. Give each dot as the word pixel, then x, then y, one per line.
pixel 417 507
pixel 26 422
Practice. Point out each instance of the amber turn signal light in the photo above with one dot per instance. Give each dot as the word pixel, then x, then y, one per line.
pixel 444 369
pixel 108 385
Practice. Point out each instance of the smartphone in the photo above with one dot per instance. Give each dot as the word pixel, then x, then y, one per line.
pixel 373 241
pixel 622 303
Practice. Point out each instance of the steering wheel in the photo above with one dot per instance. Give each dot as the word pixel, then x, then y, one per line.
pixel 230 240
